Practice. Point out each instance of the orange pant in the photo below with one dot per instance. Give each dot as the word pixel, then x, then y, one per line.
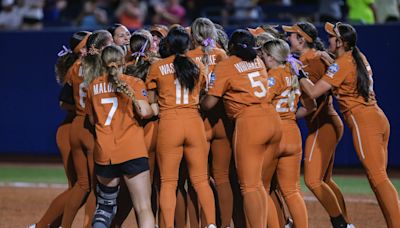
pixel 257 132
pixel 82 145
pixel 288 163
pixel 56 208
pixel 221 157
pixel 325 133
pixel 181 133
pixel 370 129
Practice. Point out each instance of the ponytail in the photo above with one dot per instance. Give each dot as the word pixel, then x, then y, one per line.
pixel 187 72
pixel 318 44
pixel 112 58
pixel 92 64
pixel 63 64
pixel 362 74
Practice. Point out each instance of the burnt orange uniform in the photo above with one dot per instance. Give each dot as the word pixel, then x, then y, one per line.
pixel 285 97
pixel 82 144
pixel 217 137
pixel 180 133
pixel 244 87
pixel 370 129
pixel 119 138
pixel 56 208
pixel 325 131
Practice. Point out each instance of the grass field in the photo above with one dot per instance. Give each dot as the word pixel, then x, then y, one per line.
pixel 54 174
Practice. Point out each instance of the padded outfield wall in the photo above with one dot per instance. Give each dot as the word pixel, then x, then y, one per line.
pixel 29 93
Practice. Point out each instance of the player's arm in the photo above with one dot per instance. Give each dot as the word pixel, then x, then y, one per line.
pixel 143 109
pixel 66 98
pixel 308 106
pixel 314 91
pixel 152 96
pixel 208 102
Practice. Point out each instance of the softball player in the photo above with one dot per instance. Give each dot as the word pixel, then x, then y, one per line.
pixel 325 126
pixel 241 80
pixel 81 139
pixel 178 81
pixel 140 45
pixel 285 92
pixel 204 34
pixel 350 78
pixel 113 102
pixel 64 63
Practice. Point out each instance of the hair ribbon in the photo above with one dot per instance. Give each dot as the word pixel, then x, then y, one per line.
pixel 64 51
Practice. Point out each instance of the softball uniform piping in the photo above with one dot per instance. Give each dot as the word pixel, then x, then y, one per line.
pixel 358 136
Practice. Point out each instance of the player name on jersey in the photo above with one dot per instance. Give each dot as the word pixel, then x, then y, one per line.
pixel 244 66
pixel 100 88
pixel 211 59
pixel 167 69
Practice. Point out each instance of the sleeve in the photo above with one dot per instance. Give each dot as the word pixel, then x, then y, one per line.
pixel 151 81
pixel 221 55
pixel 221 81
pixel 139 89
pixel 275 85
pixel 336 74
pixel 66 94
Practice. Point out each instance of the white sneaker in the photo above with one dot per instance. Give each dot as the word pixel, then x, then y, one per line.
pixel 350 226
pixel 289 224
pixel 211 226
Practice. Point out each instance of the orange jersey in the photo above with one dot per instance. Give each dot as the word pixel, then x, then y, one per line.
pixel 313 65
pixel 284 95
pixel 216 55
pixel 342 76
pixel 171 94
pixel 119 137
pixel 74 77
pixel 316 68
pixel 240 83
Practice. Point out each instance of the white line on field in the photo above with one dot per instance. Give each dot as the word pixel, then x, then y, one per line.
pixel 31 185
pixel 308 198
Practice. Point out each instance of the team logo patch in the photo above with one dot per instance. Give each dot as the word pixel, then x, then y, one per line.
pixel 332 70
pixel 212 78
pixel 144 92
pixel 271 82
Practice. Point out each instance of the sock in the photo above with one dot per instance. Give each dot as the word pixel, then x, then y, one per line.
pixel 338 222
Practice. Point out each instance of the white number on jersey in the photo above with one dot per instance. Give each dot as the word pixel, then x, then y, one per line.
pixel 257 83
pixel 82 94
pixel 286 94
pixel 114 102
pixel 178 88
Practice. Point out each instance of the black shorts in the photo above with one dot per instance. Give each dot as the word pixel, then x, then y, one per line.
pixel 132 168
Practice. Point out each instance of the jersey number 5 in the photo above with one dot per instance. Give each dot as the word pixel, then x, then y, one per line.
pixel 114 102
pixel 257 83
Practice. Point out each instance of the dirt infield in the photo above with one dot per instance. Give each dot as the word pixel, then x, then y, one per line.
pixel 20 207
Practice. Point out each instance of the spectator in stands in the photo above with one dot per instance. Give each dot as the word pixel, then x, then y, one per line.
pixel 131 13
pixel 92 16
pixel 330 10
pixel 32 11
pixel 361 11
pixel 387 10
pixel 10 15
pixel 172 12
pixel 52 12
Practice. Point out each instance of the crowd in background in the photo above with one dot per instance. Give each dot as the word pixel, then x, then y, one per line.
pixel 92 14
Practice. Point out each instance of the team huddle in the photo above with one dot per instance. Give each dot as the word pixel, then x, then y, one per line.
pixel 190 128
